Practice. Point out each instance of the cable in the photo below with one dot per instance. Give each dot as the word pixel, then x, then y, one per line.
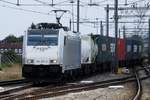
pixel 42 2
pixel 57 8
pixel 26 10
pixel 45 3
pixel 101 1
pixel 62 2
pixel 8 2
pixel 86 3
pixel 136 1
pixel 43 13
pixel 48 4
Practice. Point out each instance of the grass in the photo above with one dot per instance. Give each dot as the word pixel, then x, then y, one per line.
pixel 5 65
pixel 11 72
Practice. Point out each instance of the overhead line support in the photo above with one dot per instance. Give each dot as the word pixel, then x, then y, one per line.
pixel 116 34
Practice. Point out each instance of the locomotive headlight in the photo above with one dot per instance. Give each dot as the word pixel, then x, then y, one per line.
pixel 53 61
pixel 30 61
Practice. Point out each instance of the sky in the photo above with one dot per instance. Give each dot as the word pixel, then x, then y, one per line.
pixel 15 20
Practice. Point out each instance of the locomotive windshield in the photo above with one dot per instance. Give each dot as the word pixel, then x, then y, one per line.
pixel 43 38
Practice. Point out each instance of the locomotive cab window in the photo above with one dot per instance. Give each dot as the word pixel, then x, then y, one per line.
pixel 47 38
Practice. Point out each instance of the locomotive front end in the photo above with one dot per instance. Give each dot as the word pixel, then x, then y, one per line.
pixel 41 58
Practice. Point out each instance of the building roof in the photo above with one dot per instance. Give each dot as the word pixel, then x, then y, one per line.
pixel 10 45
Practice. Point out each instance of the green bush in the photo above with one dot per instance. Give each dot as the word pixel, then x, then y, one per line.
pixel 5 65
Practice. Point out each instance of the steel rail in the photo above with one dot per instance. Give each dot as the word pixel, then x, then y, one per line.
pixel 8 92
pixel 90 86
pixel 64 87
pixel 67 88
pixel 138 82
pixel 12 82
pixel 76 88
pixel 139 90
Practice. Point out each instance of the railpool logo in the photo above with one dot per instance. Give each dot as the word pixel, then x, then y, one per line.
pixel 42 49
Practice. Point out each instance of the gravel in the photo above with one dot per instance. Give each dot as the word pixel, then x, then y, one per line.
pixel 146 89
pixel 125 93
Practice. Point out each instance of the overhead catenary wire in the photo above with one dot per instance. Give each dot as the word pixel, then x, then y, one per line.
pixel 58 8
pixel 55 4
pixel 21 9
pixel 26 10
pixel 72 14
pixel 38 12
pixel 48 4
pixel 86 3
pixel 43 3
pixel 65 1
pixel 136 1
pixel 8 2
pixel 101 3
pixel 62 3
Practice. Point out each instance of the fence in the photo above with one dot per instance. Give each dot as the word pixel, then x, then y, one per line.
pixel 8 60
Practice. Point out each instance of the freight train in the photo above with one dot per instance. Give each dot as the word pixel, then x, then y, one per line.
pixel 52 52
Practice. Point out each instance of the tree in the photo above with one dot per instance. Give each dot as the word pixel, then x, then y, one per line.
pixel 13 39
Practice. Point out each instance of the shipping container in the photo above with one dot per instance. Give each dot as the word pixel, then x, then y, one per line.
pixel 121 49
pixel 89 49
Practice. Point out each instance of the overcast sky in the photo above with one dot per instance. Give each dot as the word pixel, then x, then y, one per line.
pixel 15 20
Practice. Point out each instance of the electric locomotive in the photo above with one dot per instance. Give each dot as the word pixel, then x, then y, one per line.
pixel 50 51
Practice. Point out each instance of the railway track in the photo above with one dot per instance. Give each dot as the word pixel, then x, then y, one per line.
pixel 12 82
pixel 53 88
pixel 12 86
pixel 57 90
pixel 139 87
pixel 9 92
pixel 139 84
pixel 51 91
pixel 77 88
